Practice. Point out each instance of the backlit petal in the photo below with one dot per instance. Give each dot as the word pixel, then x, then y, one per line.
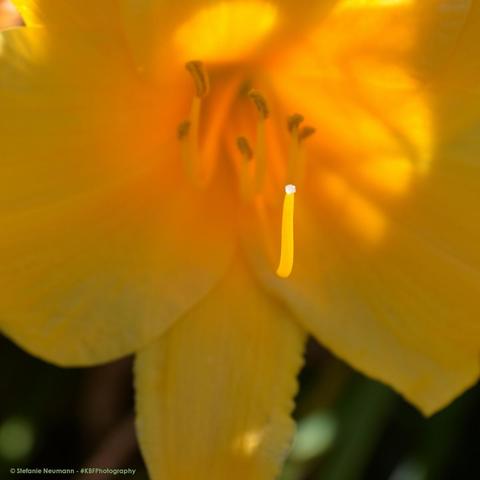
pixel 361 95
pixel 82 14
pixel 443 35
pixel 213 31
pixel 214 394
pixel 103 242
pixel 387 266
pixel 404 313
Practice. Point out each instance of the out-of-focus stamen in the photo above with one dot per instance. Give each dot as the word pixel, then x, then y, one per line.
pixel 245 149
pixel 183 132
pixel 188 131
pixel 260 147
pixel 293 124
pixel 296 157
pixel 183 129
pixel 305 132
pixel 246 187
pixel 260 103
pixel 200 77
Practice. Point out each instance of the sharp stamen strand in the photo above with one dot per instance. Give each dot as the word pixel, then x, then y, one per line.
pixel 285 265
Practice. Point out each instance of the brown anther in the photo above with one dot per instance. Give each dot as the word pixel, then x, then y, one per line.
pixel 183 129
pixel 244 88
pixel 200 77
pixel 294 121
pixel 244 147
pixel 305 132
pixel 260 103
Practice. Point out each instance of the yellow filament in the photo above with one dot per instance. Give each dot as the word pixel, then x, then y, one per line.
pixel 287 245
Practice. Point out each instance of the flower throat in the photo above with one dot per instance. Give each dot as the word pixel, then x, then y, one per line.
pixel 253 161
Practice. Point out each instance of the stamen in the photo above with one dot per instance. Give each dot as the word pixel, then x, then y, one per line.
pixel 305 132
pixel 287 242
pixel 293 122
pixel 260 103
pixel 200 77
pixel 188 131
pixel 296 160
pixel 187 155
pixel 260 148
pixel 183 129
pixel 246 187
pixel 244 147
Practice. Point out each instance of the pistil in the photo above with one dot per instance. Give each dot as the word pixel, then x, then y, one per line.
pixel 285 265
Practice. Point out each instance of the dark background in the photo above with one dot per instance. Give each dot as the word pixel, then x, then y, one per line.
pixel 349 427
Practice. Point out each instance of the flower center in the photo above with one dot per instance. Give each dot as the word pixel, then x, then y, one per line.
pixel 251 164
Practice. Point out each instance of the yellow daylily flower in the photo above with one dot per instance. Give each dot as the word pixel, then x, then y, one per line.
pixel 315 171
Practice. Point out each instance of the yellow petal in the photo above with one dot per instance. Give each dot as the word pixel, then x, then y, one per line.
pixel 361 93
pixel 103 243
pixel 203 29
pixel 214 394
pixel 84 14
pixel 404 312
pixel 391 287
pixel 454 85
pixel 443 36
pixel 195 30
pixel 445 212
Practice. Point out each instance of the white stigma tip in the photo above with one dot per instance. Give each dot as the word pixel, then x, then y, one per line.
pixel 289 189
